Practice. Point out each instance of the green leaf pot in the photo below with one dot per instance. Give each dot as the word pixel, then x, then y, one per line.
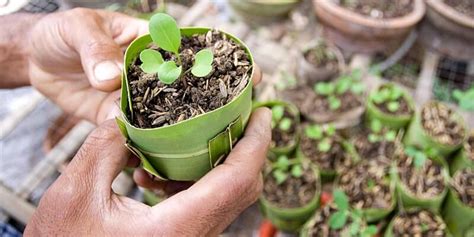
pixel 462 159
pixel 417 136
pixel 407 199
pixel 189 149
pixel 291 219
pixel 262 11
pixel 151 198
pixel 458 216
pixel 389 120
pixel 290 148
pixel 389 229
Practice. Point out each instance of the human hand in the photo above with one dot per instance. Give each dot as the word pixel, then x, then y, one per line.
pixel 76 59
pixel 81 201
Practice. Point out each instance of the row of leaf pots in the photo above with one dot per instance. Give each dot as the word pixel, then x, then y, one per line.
pixel 397 165
pixel 370 26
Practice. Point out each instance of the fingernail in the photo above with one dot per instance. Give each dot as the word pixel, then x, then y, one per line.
pixel 106 70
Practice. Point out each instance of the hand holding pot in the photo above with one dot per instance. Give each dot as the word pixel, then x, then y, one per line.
pixel 81 201
pixel 76 59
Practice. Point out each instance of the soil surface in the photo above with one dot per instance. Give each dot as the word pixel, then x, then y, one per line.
pixel 327 161
pixel 463 183
pixel 156 104
pixel 282 138
pixel 383 151
pixel 294 192
pixel 465 7
pixel 439 121
pixel 424 182
pixel 322 56
pixel 379 8
pixel 367 185
pixel 418 223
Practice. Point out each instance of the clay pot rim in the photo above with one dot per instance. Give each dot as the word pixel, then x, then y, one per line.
pixel 398 22
pixel 449 12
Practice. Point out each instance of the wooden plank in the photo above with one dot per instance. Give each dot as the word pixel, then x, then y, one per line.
pixel 16 207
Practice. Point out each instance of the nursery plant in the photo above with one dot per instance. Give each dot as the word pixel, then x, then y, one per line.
pixel 391 105
pixel 465 99
pixel 438 127
pixel 465 157
pixel 291 192
pixel 320 62
pixel 416 222
pixel 339 219
pixel 458 210
pixel 186 97
pixel 421 178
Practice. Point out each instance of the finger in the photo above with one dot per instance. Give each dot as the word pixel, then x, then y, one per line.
pixel 228 189
pixel 133 161
pixel 257 75
pixel 145 180
pixel 124 28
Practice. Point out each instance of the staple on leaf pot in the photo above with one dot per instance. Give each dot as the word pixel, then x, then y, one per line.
pixel 436 126
pixel 465 157
pixel 189 148
pixel 391 105
pixel 289 200
pixel 458 210
pixel 417 222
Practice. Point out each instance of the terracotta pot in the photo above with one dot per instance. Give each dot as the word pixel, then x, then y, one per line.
pixel 357 33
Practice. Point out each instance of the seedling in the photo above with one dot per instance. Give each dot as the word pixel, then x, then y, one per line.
pixel 284 167
pixel 465 99
pixel 344 212
pixel 379 133
pixel 345 83
pixel 279 120
pixel 420 156
pixel 321 53
pixel 165 33
pixel 324 136
pixel 388 95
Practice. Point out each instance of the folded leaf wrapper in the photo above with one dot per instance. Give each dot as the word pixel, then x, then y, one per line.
pixel 189 149
pixel 458 216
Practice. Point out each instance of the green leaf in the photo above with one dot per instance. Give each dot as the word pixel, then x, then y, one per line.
pixel 282 163
pixel 168 72
pixel 334 103
pixel 285 124
pixel 419 159
pixel 151 60
pixel 202 63
pixel 277 112
pixel 324 145
pixel 314 132
pixel 341 200
pixel 324 88
pixel 343 85
pixel 411 151
pixel 331 130
pixel 390 136
pixel 393 106
pixel 376 126
pixel 354 228
pixel 357 88
pixel 296 171
pixel 338 220
pixel 373 138
pixel 395 93
pixel 369 231
pixel 370 183
pixel 165 32
pixel 279 176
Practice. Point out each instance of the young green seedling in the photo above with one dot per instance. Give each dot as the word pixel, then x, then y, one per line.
pixel 388 95
pixel 420 156
pixel 380 133
pixel 165 33
pixel 324 136
pixel 344 212
pixel 284 167
pixel 331 90
pixel 279 120
pixel 465 99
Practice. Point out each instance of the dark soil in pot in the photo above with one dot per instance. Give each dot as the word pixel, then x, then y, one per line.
pixel 381 151
pixel 156 104
pixel 284 137
pixel 321 56
pixel 379 8
pixel 427 181
pixel 293 192
pixel 418 223
pixel 469 146
pixel 330 160
pixel 465 7
pixel 463 184
pixel 439 121
pixel 367 185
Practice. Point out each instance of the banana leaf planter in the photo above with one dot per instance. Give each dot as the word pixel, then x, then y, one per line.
pixel 465 157
pixel 186 150
pixel 389 120
pixel 390 228
pixel 458 216
pixel 291 219
pixel 417 135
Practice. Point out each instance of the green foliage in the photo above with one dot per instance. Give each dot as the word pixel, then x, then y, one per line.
pixel 165 33
pixel 420 156
pixel 380 133
pixel 285 124
pixel 284 167
pixel 465 99
pixel 390 95
pixel 324 135
pixel 332 90
pixel 278 119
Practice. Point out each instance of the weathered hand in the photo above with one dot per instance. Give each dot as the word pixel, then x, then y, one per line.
pixel 76 59
pixel 81 201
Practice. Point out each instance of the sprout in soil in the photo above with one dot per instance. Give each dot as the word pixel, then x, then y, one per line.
pixel 322 135
pixel 388 95
pixel 165 33
pixel 465 99
pixel 284 167
pixel 379 133
pixel 344 212
pixel 420 156
pixel 279 120
pixel 345 83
